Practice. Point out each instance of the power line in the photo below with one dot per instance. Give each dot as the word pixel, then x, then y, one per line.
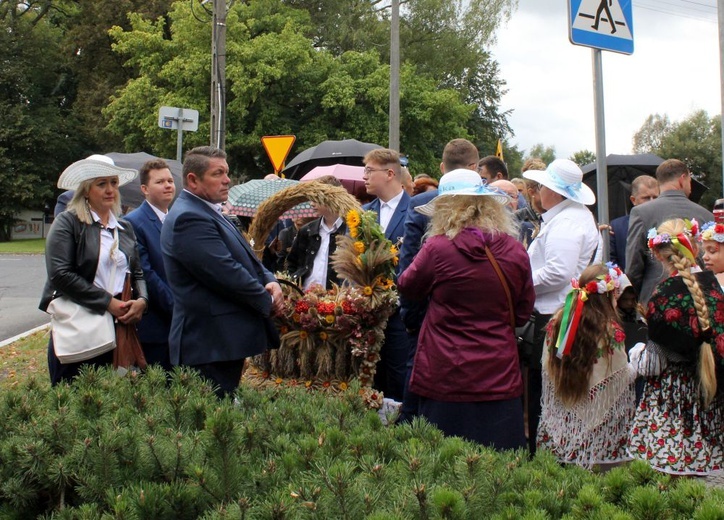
pixel 699 3
pixel 675 13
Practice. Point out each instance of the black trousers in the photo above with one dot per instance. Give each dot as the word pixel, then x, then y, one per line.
pixel 535 379
pixel 224 375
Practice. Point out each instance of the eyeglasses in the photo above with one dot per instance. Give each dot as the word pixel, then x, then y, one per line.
pixel 369 170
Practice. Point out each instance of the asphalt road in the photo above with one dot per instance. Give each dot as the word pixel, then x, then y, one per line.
pixel 21 281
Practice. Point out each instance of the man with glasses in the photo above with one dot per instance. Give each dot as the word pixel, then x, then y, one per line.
pixel 383 180
pixel 675 187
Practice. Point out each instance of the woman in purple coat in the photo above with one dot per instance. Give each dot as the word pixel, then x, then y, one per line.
pixel 477 278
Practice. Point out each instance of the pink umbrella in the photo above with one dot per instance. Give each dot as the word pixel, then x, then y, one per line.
pixel 349 176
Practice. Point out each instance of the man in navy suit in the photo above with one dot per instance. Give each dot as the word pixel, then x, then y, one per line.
pixel 643 189
pixel 223 295
pixel 383 180
pixel 159 189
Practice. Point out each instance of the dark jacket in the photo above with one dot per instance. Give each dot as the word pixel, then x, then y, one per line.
pixel 221 307
pixel 396 228
pixel 617 241
pixel 155 325
pixel 300 260
pixel 467 348
pixel 71 259
pixel 642 269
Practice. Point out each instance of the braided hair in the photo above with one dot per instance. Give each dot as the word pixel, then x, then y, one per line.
pixel 669 253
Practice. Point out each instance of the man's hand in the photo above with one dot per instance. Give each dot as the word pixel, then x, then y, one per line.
pixel 134 311
pixel 275 290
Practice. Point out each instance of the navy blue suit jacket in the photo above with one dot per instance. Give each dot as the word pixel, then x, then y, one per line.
pixel 413 312
pixel 396 228
pixel 221 308
pixel 156 323
pixel 619 228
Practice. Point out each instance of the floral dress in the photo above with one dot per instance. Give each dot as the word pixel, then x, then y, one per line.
pixel 671 429
pixel 594 430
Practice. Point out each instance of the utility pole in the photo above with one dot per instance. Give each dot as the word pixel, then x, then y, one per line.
pixel 720 11
pixel 218 75
pixel 394 137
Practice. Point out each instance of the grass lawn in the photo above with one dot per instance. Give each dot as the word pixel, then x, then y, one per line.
pixel 27 246
pixel 24 358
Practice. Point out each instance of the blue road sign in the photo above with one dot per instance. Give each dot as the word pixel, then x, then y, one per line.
pixel 602 24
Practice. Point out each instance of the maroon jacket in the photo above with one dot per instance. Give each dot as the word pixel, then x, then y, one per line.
pixel 467 349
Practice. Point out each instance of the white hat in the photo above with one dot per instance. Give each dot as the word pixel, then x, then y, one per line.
pixel 462 182
pixel 91 168
pixel 565 178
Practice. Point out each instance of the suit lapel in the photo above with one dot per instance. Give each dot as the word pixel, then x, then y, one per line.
pixel 151 215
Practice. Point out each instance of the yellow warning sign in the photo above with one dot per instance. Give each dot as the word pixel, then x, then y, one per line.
pixel 277 148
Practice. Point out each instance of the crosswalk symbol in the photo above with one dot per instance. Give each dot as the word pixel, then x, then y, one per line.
pixel 602 24
pixel 277 148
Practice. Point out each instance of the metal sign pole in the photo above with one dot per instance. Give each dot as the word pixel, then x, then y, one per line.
pixel 601 169
pixel 179 135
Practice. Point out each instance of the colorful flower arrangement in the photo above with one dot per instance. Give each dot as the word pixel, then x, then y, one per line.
pixel 602 284
pixel 713 231
pixel 682 241
pixel 331 336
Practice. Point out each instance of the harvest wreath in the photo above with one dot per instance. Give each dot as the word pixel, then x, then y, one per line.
pixel 329 337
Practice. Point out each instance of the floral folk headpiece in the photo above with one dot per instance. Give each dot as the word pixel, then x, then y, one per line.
pixel 681 242
pixel 713 231
pixel 573 306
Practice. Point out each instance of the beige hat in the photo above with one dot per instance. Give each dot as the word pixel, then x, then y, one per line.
pixel 91 168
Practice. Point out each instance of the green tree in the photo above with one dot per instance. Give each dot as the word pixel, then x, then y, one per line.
pixel 277 82
pixel 583 157
pixel 39 133
pixel 651 134
pixel 546 153
pixel 696 140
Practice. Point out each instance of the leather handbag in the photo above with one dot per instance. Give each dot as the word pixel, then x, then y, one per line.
pixel 78 332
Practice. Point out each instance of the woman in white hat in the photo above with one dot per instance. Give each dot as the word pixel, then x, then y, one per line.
pixel 477 278
pixel 89 251
pixel 567 243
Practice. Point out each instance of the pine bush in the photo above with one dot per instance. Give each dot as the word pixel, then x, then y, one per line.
pixel 160 447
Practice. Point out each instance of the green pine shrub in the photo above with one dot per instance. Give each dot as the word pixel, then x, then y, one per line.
pixel 156 447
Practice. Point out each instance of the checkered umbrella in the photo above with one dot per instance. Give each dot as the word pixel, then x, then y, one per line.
pixel 244 199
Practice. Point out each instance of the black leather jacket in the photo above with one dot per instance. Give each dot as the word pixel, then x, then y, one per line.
pixel 71 259
pixel 300 260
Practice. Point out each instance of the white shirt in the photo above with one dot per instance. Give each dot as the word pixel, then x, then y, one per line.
pixel 160 214
pixel 321 261
pixel 110 254
pixel 561 251
pixel 387 209
pixel 216 207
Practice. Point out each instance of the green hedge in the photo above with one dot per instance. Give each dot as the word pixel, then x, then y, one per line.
pixel 147 448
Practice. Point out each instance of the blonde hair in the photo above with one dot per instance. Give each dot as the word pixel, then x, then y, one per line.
pixel 80 206
pixel 668 253
pixel 457 212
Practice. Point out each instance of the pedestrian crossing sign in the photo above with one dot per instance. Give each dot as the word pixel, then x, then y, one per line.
pixel 602 24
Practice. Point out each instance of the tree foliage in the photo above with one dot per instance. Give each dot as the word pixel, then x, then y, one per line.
pixel 38 136
pixel 696 140
pixel 277 83
pixel 583 157
pixel 546 153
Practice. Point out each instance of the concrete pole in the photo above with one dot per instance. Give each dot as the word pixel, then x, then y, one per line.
pixel 394 132
pixel 720 11
pixel 218 75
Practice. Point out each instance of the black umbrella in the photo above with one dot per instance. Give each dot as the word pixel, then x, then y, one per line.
pixel 326 153
pixel 131 194
pixel 622 170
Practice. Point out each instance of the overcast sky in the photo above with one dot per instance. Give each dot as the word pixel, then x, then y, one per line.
pixel 673 70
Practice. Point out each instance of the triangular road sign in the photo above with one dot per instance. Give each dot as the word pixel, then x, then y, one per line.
pixel 277 148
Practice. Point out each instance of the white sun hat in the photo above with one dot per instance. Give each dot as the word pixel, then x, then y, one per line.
pixel 565 178
pixel 463 182
pixel 91 168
